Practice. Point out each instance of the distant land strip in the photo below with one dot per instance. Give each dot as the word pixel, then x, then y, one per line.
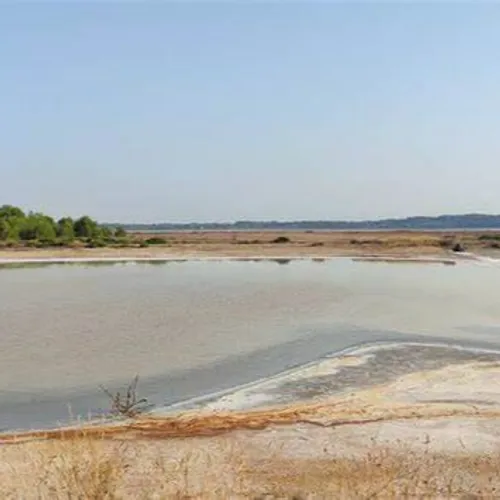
pixel 441 222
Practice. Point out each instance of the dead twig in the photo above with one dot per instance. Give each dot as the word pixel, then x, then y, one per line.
pixel 126 405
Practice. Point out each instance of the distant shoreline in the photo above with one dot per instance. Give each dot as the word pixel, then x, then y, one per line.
pixel 446 222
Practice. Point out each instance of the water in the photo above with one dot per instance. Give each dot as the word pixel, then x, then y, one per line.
pixel 190 328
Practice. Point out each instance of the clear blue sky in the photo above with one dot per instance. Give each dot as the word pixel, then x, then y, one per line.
pixel 148 112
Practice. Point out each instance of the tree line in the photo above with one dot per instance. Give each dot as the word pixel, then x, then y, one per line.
pixel 39 229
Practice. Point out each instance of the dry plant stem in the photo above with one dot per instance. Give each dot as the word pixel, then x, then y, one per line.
pixel 129 405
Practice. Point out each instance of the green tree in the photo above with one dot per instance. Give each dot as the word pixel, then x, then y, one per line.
pixel 9 212
pixel 38 227
pixel 14 228
pixel 12 220
pixel 85 227
pixel 65 229
pixel 4 230
pixel 105 233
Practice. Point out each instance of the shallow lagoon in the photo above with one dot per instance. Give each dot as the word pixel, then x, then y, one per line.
pixel 192 328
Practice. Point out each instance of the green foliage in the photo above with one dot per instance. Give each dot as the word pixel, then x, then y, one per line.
pixel 8 213
pixel 65 229
pixel 489 237
pixel 85 227
pixel 40 230
pixel 37 227
pixel 96 243
pixel 120 232
pixel 4 230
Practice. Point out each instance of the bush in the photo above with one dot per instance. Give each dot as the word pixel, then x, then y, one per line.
pixel 281 239
pixel 155 240
pixel 489 237
pixel 97 243
pixel 120 232
pixel 47 242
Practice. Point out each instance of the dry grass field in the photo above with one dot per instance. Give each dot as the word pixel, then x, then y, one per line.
pixel 225 467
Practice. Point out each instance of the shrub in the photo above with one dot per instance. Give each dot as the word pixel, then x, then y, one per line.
pixel 281 239
pixel 489 237
pixel 155 240
pixel 96 243
pixel 47 242
pixel 120 232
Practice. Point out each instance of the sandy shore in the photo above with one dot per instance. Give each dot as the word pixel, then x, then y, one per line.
pixel 432 432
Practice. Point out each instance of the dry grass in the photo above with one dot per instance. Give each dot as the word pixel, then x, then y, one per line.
pixel 223 468
pixel 383 474
pixel 212 456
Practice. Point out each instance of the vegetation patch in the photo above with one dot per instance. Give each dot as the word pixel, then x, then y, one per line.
pixel 489 237
pixel 281 239
pixel 155 240
pixel 38 230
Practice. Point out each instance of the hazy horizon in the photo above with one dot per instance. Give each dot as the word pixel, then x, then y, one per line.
pixel 142 113
pixel 268 220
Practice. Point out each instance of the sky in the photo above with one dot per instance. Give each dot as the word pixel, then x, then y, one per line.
pixel 156 111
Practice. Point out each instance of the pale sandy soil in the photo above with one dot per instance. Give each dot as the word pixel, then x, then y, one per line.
pixel 434 433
